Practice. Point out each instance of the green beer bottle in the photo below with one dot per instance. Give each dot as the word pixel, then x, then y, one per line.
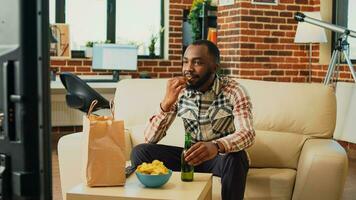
pixel 187 171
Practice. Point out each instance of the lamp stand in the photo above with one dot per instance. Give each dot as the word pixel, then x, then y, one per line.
pixel 342 48
pixel 310 60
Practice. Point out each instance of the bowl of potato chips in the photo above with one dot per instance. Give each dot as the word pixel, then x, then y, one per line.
pixel 153 174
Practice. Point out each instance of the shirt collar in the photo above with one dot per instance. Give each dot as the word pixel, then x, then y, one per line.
pixel 216 86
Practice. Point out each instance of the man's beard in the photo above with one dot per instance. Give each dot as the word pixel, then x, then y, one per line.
pixel 200 82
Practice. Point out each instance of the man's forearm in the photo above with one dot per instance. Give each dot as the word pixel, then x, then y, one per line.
pixel 244 135
pixel 237 141
pixel 158 125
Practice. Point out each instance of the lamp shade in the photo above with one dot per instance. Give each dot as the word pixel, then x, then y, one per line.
pixel 308 33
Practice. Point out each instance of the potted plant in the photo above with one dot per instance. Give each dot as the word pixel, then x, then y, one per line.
pixel 153 41
pixel 194 15
pixel 89 49
pixel 152 46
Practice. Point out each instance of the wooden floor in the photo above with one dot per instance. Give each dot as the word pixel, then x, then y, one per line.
pixel 349 191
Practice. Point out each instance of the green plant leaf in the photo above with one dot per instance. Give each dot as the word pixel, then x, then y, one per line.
pixel 193 17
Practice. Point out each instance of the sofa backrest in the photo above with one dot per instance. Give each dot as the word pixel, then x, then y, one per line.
pixel 137 99
pixel 301 108
pixel 285 115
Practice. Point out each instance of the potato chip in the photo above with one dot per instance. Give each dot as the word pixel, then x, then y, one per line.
pixel 155 168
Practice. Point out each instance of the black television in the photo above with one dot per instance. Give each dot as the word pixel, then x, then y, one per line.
pixel 25 156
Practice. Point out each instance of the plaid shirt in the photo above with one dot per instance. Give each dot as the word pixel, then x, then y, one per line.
pixel 222 113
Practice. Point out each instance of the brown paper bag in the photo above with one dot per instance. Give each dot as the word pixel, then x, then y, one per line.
pixel 104 149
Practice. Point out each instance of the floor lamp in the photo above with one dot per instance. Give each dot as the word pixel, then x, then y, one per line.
pixel 309 34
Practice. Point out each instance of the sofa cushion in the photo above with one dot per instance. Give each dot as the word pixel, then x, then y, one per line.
pixel 267 183
pixel 136 134
pixel 276 149
pixel 301 108
pixel 137 99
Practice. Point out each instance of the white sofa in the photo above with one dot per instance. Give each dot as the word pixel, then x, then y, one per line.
pixel 294 155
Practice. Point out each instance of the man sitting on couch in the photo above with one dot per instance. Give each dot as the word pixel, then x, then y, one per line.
pixel 217 113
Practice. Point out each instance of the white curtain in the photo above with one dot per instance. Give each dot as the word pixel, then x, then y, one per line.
pixel 345 129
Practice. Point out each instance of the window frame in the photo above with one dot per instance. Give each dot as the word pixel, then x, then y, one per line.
pixel 340 17
pixel 111 23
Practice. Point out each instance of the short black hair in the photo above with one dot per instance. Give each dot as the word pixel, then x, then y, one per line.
pixel 212 48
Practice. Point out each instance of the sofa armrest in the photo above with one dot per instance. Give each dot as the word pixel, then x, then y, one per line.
pixel 322 170
pixel 70 161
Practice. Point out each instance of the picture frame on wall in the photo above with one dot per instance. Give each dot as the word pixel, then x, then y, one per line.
pixel 265 2
pixel 60 48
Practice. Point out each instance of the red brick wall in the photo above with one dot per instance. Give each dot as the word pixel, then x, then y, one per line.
pixel 157 68
pixel 319 72
pixel 257 41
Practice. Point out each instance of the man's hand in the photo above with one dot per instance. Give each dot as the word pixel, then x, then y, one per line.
pixel 174 86
pixel 201 152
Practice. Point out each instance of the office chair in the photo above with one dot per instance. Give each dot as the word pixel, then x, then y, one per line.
pixel 80 95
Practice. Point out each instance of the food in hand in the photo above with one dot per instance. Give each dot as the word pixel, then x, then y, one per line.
pixel 189 78
pixel 155 168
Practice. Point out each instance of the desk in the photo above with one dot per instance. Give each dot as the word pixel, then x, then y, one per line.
pixel 58 88
pixel 61 114
pixel 200 188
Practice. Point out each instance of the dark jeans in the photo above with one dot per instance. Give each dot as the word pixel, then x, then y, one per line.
pixel 232 167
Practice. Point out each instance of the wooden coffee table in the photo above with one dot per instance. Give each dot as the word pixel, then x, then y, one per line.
pixel 200 188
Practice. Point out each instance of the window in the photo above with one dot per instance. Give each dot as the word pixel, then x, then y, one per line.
pixel 118 21
pixel 140 25
pixel 52 11
pixel 343 15
pixel 87 21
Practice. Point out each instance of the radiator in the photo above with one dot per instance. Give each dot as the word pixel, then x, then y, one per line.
pixel 62 115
